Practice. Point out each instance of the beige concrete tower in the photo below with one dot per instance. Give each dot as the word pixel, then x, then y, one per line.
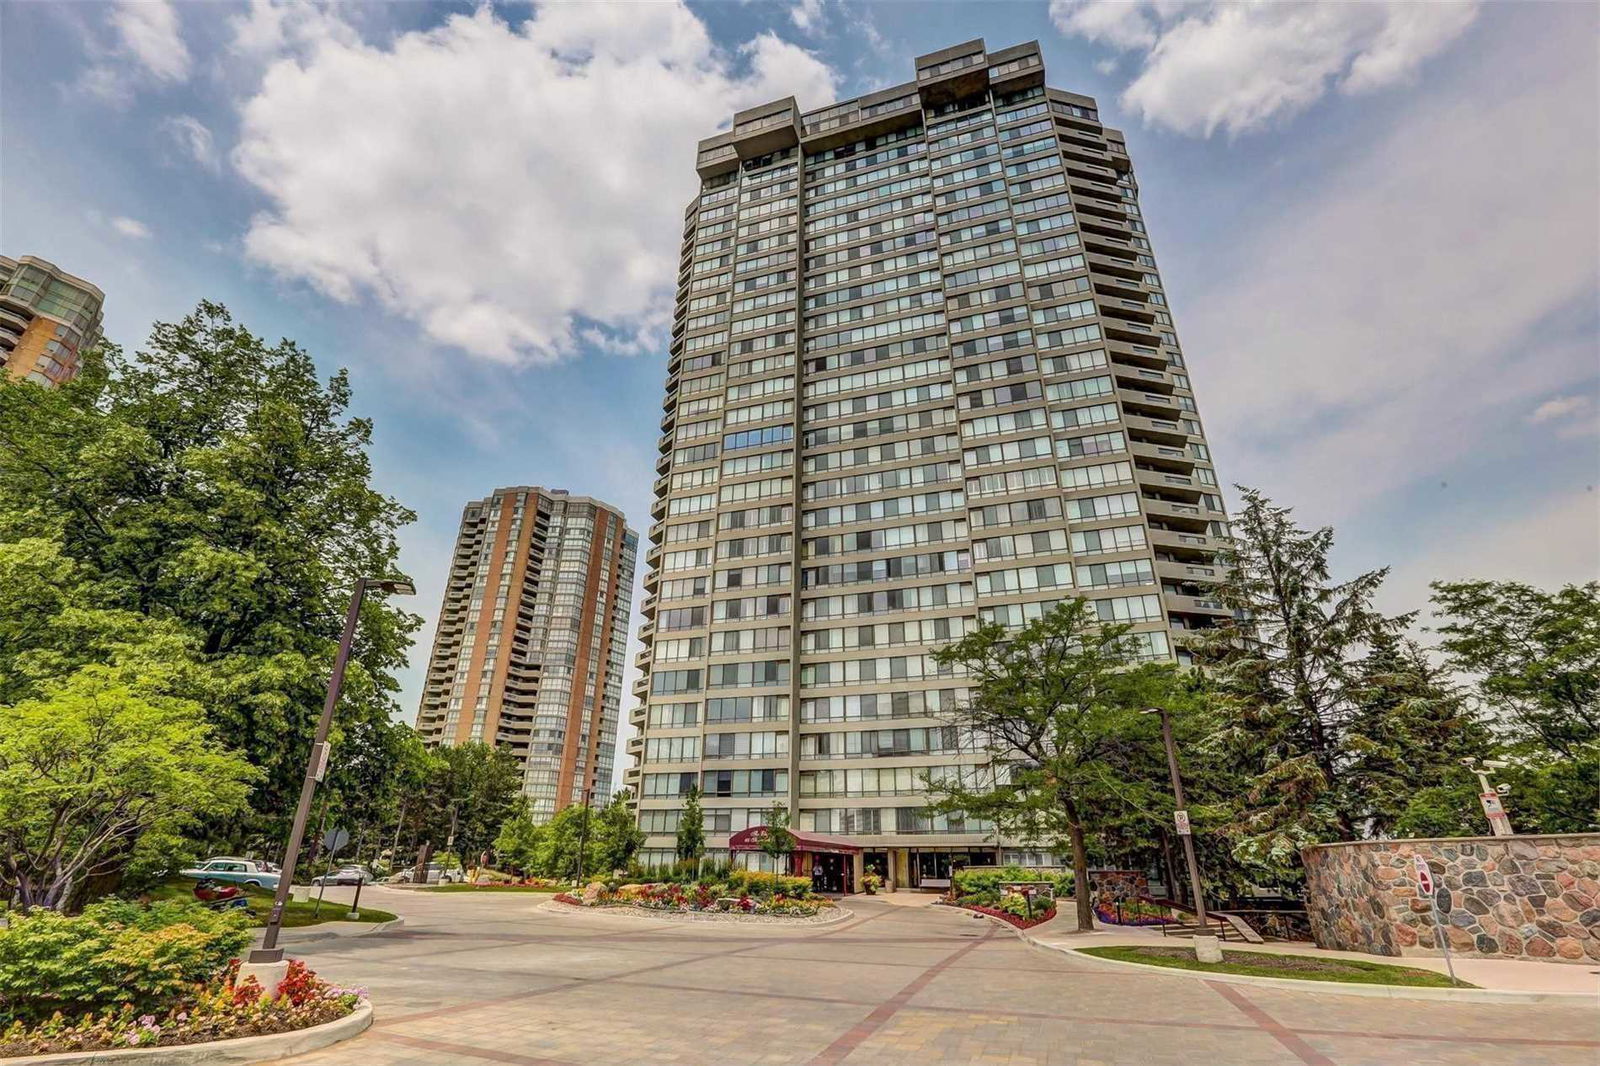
pixel 532 639
pixel 922 374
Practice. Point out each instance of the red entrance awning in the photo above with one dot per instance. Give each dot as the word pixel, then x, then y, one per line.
pixel 750 840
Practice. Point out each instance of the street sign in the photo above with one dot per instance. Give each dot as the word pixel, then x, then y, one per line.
pixel 334 840
pixel 1440 896
pixel 321 760
pixel 1424 876
pixel 1182 818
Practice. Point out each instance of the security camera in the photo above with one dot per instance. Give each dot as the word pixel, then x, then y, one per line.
pixel 1503 788
pixel 1496 764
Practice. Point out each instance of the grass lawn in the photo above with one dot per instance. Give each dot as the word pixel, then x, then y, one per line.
pixel 1298 967
pixel 294 914
pixel 487 888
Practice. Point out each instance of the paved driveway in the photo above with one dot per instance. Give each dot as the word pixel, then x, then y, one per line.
pixel 493 979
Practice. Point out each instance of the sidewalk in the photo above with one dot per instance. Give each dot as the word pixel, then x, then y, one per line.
pixel 1496 975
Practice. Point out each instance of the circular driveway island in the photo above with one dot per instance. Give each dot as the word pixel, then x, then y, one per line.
pixel 493 978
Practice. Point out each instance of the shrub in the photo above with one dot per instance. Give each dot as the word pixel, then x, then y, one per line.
pixel 983 883
pixel 759 882
pixel 112 954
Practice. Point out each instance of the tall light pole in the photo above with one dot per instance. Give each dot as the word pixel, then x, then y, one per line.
pixel 269 953
pixel 1182 815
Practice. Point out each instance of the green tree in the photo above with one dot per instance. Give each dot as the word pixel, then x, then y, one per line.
pixel 777 842
pixel 217 484
pixel 517 844
pixel 91 767
pixel 1056 708
pixel 1335 723
pixel 692 830
pixel 1407 734
pixel 1534 657
pixel 476 786
pixel 558 850
pixel 618 837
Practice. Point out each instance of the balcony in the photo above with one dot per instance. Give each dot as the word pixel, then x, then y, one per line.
pixel 1200 605
pixel 1189 572
pixel 1180 486
pixel 1163 456
pixel 1177 516
pixel 1150 404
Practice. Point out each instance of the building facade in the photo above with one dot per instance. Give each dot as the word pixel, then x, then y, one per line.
pixel 922 374
pixel 532 640
pixel 47 317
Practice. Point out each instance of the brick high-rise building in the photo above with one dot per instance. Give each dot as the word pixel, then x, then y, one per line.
pixel 47 317
pixel 922 374
pixel 532 639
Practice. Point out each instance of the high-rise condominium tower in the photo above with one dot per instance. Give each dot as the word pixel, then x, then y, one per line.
pixel 532 639
pixel 47 317
pixel 922 374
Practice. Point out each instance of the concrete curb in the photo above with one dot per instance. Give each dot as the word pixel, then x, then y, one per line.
pixel 309 934
pixel 1335 988
pixel 244 1049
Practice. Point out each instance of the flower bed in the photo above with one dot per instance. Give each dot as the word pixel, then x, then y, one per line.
pixel 1131 912
pixel 695 899
pixel 220 1009
pixel 1018 920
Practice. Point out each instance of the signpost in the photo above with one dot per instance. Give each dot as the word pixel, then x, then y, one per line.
pixel 1427 888
pixel 1495 811
pixel 1182 820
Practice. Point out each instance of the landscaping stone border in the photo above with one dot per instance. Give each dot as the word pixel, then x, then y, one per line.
pixel 241 1050
pixel 1523 897
pixel 827 916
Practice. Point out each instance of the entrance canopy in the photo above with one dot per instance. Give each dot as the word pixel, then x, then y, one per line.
pixel 750 840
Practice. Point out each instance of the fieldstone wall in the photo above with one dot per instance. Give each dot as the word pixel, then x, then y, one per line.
pixel 1523 897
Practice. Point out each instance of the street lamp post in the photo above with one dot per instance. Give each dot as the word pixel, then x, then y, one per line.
pixel 269 954
pixel 1183 812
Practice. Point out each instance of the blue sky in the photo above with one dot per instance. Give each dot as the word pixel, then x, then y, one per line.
pixel 1377 223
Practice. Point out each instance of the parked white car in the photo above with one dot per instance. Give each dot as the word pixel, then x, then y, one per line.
pixel 251 872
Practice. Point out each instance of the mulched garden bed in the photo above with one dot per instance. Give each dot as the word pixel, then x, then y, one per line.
pixel 1008 917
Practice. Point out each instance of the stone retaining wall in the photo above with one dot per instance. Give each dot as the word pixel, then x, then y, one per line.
pixel 1524 897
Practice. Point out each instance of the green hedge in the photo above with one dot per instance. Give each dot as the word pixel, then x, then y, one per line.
pixel 982 884
pixel 114 953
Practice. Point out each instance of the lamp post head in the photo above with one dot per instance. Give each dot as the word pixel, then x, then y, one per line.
pixel 398 586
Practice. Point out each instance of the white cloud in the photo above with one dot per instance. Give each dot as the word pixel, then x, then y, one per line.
pixel 1237 66
pixel 1561 409
pixel 193 136
pixel 505 187
pixel 1389 320
pixel 130 227
pixel 146 47
pixel 807 16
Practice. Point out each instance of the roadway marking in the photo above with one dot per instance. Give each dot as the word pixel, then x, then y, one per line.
pixel 1281 1033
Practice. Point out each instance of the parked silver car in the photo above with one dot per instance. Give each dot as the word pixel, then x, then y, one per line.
pixel 346 875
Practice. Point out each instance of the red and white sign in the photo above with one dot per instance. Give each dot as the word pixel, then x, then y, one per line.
pixel 1424 876
pixel 1491 803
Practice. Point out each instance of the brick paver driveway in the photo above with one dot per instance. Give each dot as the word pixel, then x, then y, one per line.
pixel 492 978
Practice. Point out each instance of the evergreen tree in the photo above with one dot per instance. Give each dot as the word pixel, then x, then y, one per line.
pixel 692 830
pixel 1330 716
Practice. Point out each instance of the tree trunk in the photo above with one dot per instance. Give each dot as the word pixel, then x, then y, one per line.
pixel 1080 869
